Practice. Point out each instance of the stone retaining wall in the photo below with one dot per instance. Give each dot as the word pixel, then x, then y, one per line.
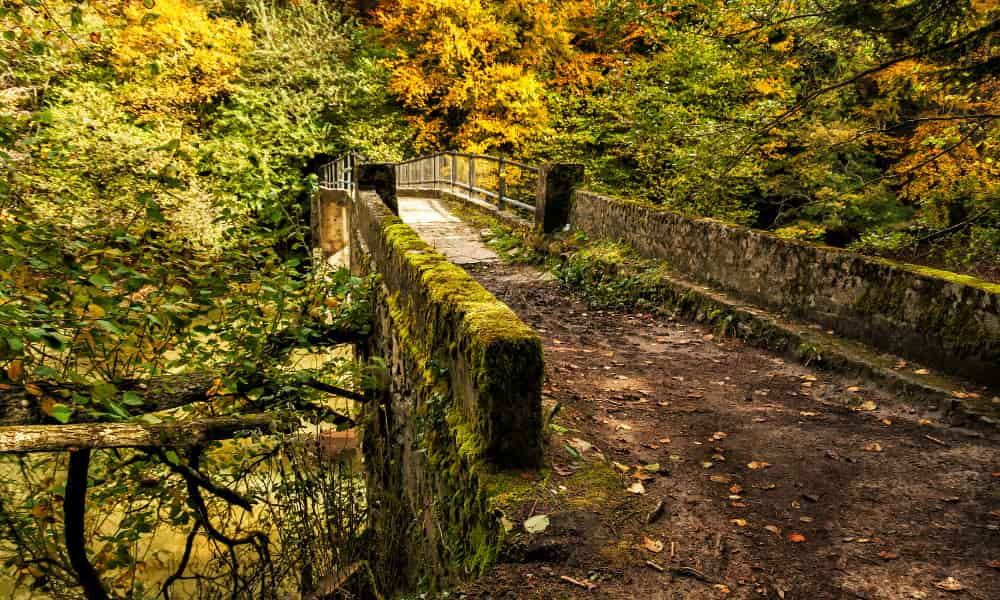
pixel 943 320
pixel 463 402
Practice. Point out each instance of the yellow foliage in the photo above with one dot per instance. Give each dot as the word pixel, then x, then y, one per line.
pixel 177 59
pixel 471 72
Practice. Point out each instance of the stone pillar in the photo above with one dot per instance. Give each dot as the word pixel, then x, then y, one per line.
pixel 555 194
pixel 380 178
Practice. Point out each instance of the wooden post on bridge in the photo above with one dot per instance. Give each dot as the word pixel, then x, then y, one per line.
pixel 554 196
pixel 380 178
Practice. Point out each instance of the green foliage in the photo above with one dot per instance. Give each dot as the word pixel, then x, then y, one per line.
pixel 151 228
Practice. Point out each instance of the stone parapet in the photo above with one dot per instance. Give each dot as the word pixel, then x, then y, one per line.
pixel 462 401
pixel 947 321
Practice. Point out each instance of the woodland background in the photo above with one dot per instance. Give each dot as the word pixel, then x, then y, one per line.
pixel 157 158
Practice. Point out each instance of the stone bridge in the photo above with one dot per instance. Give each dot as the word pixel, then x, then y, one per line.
pixel 463 411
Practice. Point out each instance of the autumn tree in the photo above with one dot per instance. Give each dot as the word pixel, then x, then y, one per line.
pixel 472 75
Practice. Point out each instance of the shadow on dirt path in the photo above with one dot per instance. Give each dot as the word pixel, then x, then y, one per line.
pixel 776 480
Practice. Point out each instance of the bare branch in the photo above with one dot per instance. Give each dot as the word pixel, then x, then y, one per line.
pixel 55 438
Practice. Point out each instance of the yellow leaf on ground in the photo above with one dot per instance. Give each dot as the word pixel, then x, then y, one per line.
pixel 637 488
pixel 651 544
pixel 949 584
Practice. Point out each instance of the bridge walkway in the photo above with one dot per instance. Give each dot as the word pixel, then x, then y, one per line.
pixel 432 220
pixel 772 479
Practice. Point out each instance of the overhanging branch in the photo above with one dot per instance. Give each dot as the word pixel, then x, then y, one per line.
pixel 58 438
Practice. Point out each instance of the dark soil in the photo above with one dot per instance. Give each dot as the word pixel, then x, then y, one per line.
pixel 777 480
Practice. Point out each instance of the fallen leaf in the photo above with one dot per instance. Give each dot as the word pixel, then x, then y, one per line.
pixel 886 422
pixel 806 519
pixel 853 389
pixel 796 538
pixel 735 488
pixel 807 413
pixel 695 395
pixel 808 378
pixel 637 488
pixel 537 524
pixel 642 475
pixel 739 522
pixel 708 338
pixel 621 467
pixel 994 564
pixel 719 435
pixel 664 440
pixel 652 467
pixel 887 555
pixel 773 529
pixel 924 422
pixel 707 464
pixel 581 446
pixel 867 406
pixel 873 447
pixel 721 587
pixel 922 372
pixel 758 464
pixel 15 370
pixel 949 584
pixel 507 524
pixel 719 478
pixel 652 545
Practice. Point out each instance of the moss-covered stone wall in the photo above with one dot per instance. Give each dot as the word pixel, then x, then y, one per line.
pixel 946 321
pixel 462 404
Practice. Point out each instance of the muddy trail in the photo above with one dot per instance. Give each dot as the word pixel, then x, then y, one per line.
pixel 776 480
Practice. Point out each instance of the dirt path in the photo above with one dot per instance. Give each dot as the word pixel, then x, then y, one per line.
pixel 777 480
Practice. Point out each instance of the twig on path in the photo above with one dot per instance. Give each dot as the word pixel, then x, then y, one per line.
pixel 655 514
pixel 690 572
pixel 584 584
pixel 936 441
